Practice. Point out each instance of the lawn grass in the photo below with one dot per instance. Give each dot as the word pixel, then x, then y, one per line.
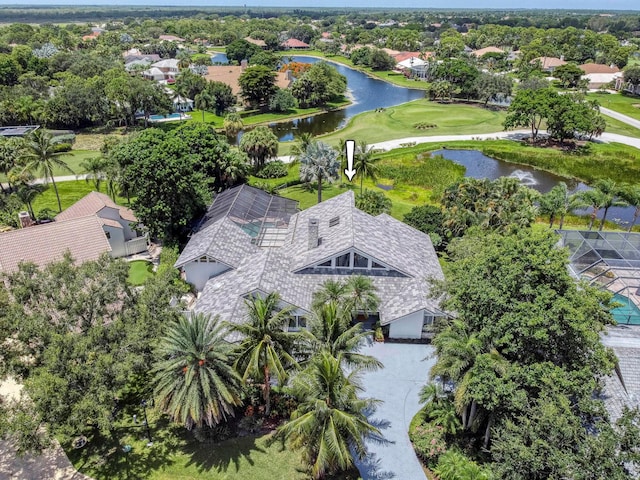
pixel 73 159
pixel 621 128
pixel 70 192
pixel 176 455
pixel 618 102
pixel 399 122
pixel 139 271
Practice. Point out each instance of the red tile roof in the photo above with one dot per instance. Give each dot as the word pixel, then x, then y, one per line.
pixel 91 204
pixel 294 43
pixel 483 51
pixel 588 68
pixel 83 237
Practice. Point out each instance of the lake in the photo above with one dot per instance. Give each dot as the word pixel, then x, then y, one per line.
pixel 478 165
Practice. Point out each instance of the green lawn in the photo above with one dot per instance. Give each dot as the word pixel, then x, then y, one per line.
pixel 176 455
pixel 73 159
pixel 621 128
pixel 70 192
pixel 618 102
pixel 139 271
pixel 400 121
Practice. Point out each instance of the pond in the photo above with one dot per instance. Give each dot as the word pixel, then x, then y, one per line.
pixel 478 165
pixel 365 93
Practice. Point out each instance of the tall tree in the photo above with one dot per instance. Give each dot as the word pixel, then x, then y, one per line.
pixel 319 163
pixel 631 194
pixel 595 199
pixel 195 381
pixel 329 424
pixel 365 164
pixel 232 124
pixel 529 108
pixel 96 168
pixel 41 156
pixel 260 144
pixel 266 348
pixel 258 85
pixel 611 197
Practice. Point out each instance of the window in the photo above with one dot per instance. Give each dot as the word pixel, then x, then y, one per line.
pixel 427 322
pixel 377 265
pixel 325 264
pixel 343 261
pixel 297 323
pixel 334 221
pixel 108 234
pixel 359 261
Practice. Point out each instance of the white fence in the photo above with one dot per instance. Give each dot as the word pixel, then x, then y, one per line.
pixel 136 245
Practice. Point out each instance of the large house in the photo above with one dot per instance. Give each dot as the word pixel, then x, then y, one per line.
pixel 230 74
pixel 548 64
pixel 87 229
pixel 598 75
pixel 252 243
pixel 164 70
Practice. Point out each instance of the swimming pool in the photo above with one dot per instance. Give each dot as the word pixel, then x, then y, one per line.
pixel 173 116
pixel 628 314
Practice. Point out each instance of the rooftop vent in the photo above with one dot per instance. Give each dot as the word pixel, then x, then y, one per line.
pixel 314 239
pixel 25 219
pixel 334 221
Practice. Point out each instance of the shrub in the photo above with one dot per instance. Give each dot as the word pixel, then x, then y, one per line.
pixel 215 434
pixel 274 169
pixel 372 202
pixel 428 442
pixel 282 101
pixel 62 147
pixel 424 126
pixel 426 218
pixel 251 424
pixel 453 465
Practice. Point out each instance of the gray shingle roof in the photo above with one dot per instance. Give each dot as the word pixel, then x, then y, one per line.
pixel 383 238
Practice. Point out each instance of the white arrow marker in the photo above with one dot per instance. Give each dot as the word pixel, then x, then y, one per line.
pixel 350 145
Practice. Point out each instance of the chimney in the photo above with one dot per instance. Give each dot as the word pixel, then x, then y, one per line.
pixel 562 57
pixel 25 219
pixel 313 233
pixel 244 64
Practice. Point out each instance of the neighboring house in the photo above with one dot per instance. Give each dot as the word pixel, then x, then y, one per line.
pixel 230 74
pixel 413 67
pixel 483 51
pixel 87 229
pixel 598 75
pixel 119 223
pixel 294 43
pixel 629 87
pixel 252 243
pixel 257 42
pixel 17 130
pixel 164 70
pixel 170 38
pixel 548 64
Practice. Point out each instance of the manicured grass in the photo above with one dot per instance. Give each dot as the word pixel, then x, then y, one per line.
pixel 618 102
pixel 139 271
pixel 400 121
pixel 73 159
pixel 176 455
pixel 621 128
pixel 70 192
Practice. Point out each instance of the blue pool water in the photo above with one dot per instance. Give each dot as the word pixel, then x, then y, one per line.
pixel 628 314
pixel 173 116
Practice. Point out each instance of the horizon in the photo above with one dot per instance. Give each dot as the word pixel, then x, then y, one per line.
pixel 446 5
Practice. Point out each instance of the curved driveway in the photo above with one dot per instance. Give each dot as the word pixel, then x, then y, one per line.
pixel 397 385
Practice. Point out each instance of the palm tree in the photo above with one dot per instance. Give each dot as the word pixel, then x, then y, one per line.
pixel 266 348
pixel 319 162
pixel 329 424
pixel 610 191
pixel 331 331
pixel 594 199
pixel 260 144
pixel 232 124
pixel 331 291
pixel 298 148
pixel 553 202
pixel 96 168
pixel 365 164
pixel 10 152
pixel 27 193
pixel 194 379
pixel 204 101
pixel 40 156
pixel 184 59
pixel 361 295
pixel 631 195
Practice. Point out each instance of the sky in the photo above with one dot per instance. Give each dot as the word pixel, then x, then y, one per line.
pixel 447 4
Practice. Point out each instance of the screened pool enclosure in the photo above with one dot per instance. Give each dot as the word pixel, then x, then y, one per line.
pixel 609 260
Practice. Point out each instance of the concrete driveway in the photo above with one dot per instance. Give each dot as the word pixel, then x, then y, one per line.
pixel 397 385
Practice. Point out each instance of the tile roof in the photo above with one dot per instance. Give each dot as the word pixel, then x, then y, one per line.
pixel 482 51
pixel 294 43
pixel 588 68
pixel 230 74
pixel 384 238
pixel 548 62
pixel 83 237
pixel 91 204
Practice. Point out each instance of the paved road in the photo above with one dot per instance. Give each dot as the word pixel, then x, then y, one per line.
pixel 397 385
pixel 620 116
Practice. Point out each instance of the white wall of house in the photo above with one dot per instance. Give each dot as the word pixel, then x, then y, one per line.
pixel 198 273
pixel 409 326
pixel 116 240
pixel 114 214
